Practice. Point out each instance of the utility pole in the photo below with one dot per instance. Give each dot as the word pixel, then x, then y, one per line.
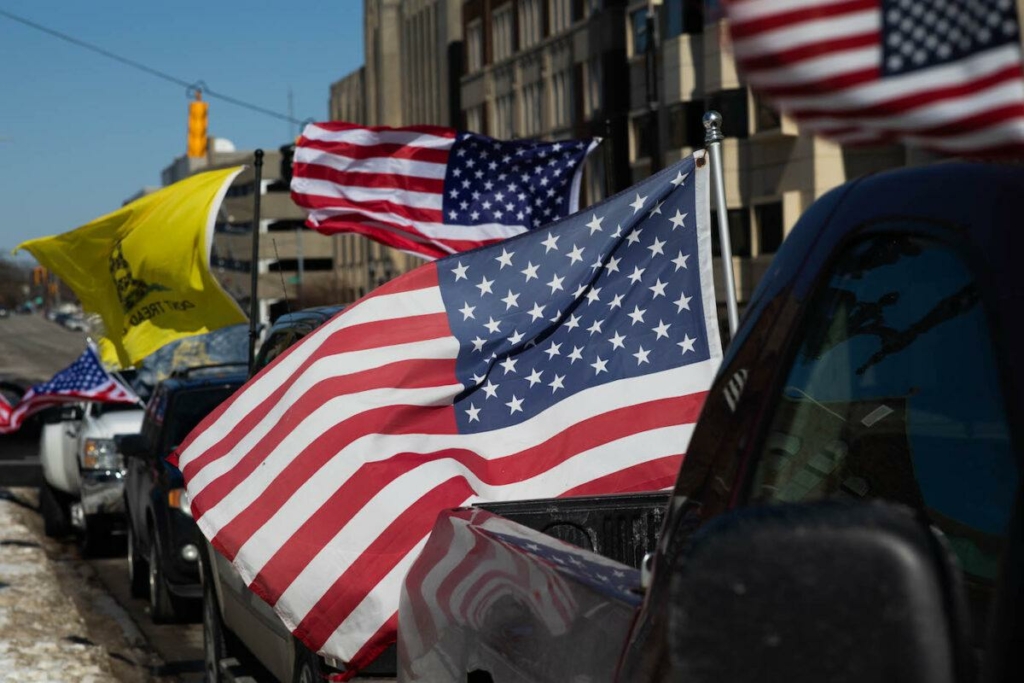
pixel 651 69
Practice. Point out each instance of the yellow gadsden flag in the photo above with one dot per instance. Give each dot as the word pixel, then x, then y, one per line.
pixel 145 267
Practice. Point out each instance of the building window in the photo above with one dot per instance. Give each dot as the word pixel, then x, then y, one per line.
pixel 766 117
pixel 638 30
pixel 686 124
pixel 474 46
pixel 739 232
pixel 502 38
pixel 563 93
pixel 504 124
pixel 641 137
pixel 530 22
pixel 594 101
pixel 533 104
pixel 733 106
pixel 769 227
pixel 682 16
pixel 595 178
pixel 561 15
pixel 475 119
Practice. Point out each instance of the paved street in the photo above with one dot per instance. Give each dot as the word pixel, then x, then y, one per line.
pixel 111 637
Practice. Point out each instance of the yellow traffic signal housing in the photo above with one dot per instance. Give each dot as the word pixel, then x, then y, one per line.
pixel 197 122
pixel 39 275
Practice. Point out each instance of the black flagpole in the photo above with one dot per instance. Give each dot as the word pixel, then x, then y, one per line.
pixel 254 302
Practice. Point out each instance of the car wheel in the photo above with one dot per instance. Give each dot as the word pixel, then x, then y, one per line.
pixel 215 647
pixel 55 511
pixel 307 665
pixel 161 608
pixel 138 577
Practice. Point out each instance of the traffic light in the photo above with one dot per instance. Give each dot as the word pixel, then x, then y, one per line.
pixel 197 122
pixel 39 275
pixel 287 157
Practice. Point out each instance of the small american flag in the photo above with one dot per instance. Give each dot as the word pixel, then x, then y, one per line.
pixel 432 191
pixel 940 74
pixel 83 380
pixel 570 360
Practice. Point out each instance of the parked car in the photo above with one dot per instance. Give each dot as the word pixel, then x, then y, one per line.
pixel 234 617
pixel 850 504
pixel 83 471
pixel 163 539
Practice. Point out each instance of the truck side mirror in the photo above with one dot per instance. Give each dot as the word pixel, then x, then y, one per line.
pixel 131 445
pixel 832 591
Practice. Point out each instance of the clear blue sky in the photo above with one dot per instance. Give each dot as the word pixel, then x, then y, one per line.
pixel 79 132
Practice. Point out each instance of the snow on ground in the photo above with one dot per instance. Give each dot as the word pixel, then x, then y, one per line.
pixel 43 637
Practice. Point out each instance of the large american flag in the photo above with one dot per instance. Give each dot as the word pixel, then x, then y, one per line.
pixel 940 74
pixel 570 360
pixel 83 380
pixel 429 190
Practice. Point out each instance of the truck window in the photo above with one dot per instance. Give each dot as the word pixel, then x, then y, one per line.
pixel 894 393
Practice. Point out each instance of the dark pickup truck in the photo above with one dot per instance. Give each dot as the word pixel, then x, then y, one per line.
pixel 849 508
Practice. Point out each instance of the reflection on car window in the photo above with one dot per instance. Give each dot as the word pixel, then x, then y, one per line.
pixel 274 347
pixel 894 394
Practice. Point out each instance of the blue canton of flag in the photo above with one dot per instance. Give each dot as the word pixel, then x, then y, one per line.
pixel 81 377
pixel 613 292
pixel 511 182
pixel 918 35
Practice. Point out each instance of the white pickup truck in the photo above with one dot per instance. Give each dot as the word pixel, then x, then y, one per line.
pixel 83 489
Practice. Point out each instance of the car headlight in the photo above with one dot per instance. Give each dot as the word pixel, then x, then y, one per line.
pixel 178 498
pixel 101 454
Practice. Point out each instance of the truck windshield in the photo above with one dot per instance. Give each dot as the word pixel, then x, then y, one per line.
pixel 895 394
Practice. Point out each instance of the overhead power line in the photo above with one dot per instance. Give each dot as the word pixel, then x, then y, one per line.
pixel 188 85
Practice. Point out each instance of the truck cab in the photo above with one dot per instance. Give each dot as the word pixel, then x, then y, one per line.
pixel 876 364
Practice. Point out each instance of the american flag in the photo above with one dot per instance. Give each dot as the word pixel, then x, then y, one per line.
pixel 475 561
pixel 83 380
pixel 570 360
pixel 943 74
pixel 432 191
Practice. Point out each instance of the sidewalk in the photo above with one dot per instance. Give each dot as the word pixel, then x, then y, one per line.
pixel 43 637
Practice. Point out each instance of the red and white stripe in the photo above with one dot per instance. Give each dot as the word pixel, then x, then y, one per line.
pixel 5 413
pixel 321 479
pixel 384 183
pixel 820 61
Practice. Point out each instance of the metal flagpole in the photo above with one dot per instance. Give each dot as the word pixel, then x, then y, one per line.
pixel 254 301
pixel 713 139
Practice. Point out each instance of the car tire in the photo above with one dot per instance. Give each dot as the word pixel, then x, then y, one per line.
pixel 161 604
pixel 215 644
pixel 307 665
pixel 55 510
pixel 138 574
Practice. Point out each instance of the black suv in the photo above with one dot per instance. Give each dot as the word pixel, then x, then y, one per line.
pixel 163 539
